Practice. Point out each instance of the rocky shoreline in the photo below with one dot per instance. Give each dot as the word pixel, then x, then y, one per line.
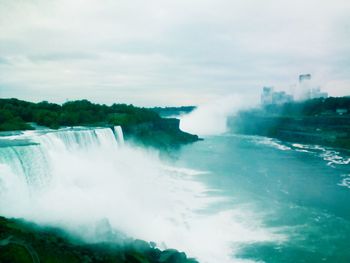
pixel 25 242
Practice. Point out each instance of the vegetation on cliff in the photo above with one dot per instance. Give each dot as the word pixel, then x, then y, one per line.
pixel 318 121
pixel 140 124
pixel 173 111
pixel 24 242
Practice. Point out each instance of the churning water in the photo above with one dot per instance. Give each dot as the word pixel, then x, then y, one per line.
pixel 83 178
pixel 303 190
pixel 226 199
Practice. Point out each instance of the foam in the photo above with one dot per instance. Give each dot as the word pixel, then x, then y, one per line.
pixel 345 181
pixel 76 178
pixel 272 143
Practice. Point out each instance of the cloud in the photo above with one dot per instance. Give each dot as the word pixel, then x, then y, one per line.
pixel 121 50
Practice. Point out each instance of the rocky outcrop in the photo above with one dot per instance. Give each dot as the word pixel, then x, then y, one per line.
pixel 163 133
pixel 24 242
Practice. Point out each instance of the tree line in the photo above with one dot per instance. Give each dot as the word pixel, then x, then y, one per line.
pixel 16 114
pixel 320 106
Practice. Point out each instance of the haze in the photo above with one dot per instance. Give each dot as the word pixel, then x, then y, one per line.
pixel 169 52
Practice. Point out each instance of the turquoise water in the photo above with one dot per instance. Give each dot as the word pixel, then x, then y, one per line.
pixel 225 199
pixel 304 191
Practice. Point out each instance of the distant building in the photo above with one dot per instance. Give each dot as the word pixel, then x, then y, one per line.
pixel 304 91
pixel 269 96
pixel 315 93
pixel 266 96
pixel 308 90
pixel 304 77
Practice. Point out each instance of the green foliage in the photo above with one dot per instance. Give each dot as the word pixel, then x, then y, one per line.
pixel 9 121
pixel 313 121
pixel 14 113
pixel 144 125
pixel 310 107
pixel 173 111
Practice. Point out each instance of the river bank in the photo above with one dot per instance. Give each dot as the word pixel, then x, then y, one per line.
pixel 321 121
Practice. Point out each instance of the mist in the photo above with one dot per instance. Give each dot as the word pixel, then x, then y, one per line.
pixel 96 187
pixel 211 118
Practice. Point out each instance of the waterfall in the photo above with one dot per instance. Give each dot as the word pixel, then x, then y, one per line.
pixel 30 163
pixel 119 134
pixel 77 177
pixel 33 162
pixel 74 139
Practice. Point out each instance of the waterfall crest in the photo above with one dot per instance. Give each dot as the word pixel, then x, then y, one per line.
pixel 33 162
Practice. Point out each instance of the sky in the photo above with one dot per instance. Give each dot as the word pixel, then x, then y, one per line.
pixel 162 52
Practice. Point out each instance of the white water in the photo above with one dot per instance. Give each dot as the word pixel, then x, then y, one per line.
pixel 211 118
pixel 119 134
pixel 78 178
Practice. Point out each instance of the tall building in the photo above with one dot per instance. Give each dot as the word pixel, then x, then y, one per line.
pixel 304 91
pixel 315 93
pixel 269 96
pixel 304 77
pixel 308 89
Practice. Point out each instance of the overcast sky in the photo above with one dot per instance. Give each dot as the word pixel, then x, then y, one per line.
pixel 158 52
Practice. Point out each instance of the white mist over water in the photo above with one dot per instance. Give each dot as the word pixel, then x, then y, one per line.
pixel 211 118
pixel 79 178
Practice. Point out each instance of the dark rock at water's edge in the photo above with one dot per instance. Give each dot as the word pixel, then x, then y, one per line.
pixel 163 133
pixel 318 121
pixel 24 242
pixel 142 125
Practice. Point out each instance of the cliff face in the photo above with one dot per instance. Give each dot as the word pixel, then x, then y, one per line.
pixel 161 124
pixel 168 124
pixel 162 133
